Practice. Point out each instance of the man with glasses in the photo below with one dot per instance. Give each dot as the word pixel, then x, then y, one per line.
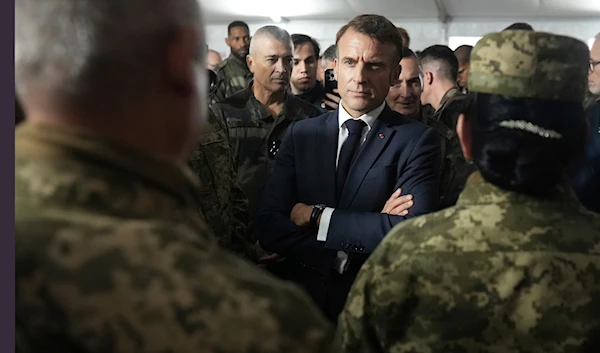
pixel 586 182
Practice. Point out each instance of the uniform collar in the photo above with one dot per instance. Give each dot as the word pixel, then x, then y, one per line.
pixel 478 191
pixel 49 141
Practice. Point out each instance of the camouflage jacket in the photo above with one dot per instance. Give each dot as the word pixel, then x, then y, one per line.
pixel 255 137
pixel 112 256
pixel 232 76
pixel 499 272
pixel 455 169
pixel 223 202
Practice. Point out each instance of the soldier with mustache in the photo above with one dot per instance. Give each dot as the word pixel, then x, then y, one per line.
pixel 258 116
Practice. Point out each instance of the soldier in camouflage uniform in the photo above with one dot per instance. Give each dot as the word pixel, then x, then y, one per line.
pixel 223 204
pixel 112 253
pixel 233 74
pixel 259 115
pixel 440 68
pixel 515 266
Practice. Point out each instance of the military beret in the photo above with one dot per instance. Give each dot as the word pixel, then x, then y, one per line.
pixel 528 64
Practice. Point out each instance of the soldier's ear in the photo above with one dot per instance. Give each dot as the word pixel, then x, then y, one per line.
pixel 428 77
pixel 463 130
pixel 250 63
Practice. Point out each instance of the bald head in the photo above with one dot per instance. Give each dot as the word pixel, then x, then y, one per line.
pixel 267 34
pixel 271 58
pixel 213 59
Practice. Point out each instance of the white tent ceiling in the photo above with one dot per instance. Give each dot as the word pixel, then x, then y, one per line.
pixel 259 10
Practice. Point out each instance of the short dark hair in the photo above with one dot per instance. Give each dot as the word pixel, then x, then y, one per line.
pixel 237 24
pixel 404 34
pixel 444 56
pixel 377 27
pixel 407 53
pixel 523 161
pixel 330 53
pixel 301 39
pixel 519 25
pixel 463 54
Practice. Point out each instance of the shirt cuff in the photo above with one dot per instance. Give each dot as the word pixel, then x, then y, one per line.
pixel 324 224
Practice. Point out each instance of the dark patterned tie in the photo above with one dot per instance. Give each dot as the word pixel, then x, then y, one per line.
pixel 348 153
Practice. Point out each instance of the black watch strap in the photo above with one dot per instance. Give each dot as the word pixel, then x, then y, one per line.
pixel 314 215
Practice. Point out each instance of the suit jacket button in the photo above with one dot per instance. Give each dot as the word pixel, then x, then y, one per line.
pixel 361 248
pixel 356 248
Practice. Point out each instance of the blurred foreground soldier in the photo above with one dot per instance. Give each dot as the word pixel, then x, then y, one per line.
pixel 233 74
pixel 111 252
pixel 515 266
pixel 19 114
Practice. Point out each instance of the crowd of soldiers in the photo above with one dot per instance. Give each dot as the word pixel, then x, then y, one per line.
pixel 137 187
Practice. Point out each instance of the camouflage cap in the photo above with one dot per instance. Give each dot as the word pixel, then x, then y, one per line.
pixel 527 64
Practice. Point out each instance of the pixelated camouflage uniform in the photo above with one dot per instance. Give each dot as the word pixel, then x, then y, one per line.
pixel 500 271
pixel 223 202
pixel 232 77
pixel 113 256
pixel 255 137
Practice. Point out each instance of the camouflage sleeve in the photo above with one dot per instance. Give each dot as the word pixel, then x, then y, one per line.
pixel 239 201
pixel 141 287
pixel 221 89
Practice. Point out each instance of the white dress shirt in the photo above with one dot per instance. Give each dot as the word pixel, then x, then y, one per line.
pixel 341 262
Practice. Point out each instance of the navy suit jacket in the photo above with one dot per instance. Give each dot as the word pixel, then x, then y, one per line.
pixel 398 153
pixel 586 181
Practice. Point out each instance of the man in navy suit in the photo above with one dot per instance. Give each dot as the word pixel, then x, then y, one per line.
pixel 343 180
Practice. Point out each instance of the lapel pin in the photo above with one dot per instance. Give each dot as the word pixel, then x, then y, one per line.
pixel 381 136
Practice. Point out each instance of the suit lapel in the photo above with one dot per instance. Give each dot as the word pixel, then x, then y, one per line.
pixel 377 140
pixel 327 146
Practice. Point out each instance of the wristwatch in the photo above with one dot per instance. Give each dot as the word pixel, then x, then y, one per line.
pixel 314 215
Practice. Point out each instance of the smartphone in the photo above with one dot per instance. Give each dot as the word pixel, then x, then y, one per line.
pixel 330 85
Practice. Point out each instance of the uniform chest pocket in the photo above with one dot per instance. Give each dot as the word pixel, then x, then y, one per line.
pixel 248 124
pixel 213 137
pixel 213 165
